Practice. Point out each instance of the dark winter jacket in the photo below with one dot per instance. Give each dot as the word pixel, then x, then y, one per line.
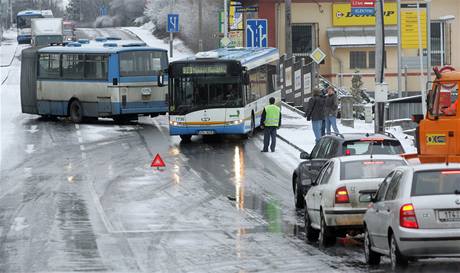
pixel 315 108
pixel 331 105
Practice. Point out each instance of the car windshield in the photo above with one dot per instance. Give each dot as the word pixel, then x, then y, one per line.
pixel 368 169
pixel 195 93
pixel 365 147
pixel 436 182
pixel 142 63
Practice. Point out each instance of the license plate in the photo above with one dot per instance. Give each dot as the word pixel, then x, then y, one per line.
pixel 449 215
pixel 206 132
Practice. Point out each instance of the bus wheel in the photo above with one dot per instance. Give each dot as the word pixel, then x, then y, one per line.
pixel 76 111
pixel 186 138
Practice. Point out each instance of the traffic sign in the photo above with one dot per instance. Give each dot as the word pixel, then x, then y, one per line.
pixel 256 33
pixel 225 42
pixel 158 162
pixel 173 22
pixel 363 7
pixel 317 55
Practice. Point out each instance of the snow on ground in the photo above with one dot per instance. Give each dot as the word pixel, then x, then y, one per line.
pixel 144 33
pixel 297 130
pixel 9 47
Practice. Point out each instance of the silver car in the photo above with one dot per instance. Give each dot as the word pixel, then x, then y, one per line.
pixel 338 199
pixel 415 214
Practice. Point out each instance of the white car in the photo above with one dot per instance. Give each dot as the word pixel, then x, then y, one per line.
pixel 336 203
pixel 415 214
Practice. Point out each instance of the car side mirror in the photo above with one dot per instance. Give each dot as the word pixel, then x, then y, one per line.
pixel 304 155
pixel 246 80
pixel 160 80
pixel 374 198
pixel 115 81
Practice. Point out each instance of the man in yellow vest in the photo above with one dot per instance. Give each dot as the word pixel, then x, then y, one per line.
pixel 270 122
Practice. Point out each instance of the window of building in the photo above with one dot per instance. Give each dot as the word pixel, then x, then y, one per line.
pixel 371 59
pixel 302 39
pixel 440 41
pixel 358 59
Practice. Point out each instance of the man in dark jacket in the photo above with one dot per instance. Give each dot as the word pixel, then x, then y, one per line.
pixel 331 107
pixel 315 112
pixel 270 122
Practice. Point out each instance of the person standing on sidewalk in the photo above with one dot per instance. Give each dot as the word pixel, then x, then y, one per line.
pixel 270 122
pixel 315 112
pixel 331 105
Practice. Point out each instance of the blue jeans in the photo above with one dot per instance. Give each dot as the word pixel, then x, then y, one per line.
pixel 331 121
pixel 316 124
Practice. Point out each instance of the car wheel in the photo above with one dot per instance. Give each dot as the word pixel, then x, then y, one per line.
pixel 76 111
pixel 396 258
pixel 298 195
pixel 372 257
pixel 311 234
pixel 326 234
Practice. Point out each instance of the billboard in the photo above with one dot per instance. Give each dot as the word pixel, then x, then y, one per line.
pixel 343 17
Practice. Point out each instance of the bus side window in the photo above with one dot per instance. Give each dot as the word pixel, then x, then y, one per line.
pixel 263 81
pixel 253 87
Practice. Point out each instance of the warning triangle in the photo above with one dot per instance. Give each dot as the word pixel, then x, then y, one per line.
pixel 158 162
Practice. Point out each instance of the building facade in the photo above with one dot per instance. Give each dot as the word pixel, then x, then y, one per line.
pixel 349 41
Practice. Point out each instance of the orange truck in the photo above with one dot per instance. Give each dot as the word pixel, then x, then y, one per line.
pixel 438 131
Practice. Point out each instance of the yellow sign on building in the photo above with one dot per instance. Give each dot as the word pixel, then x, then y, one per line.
pixel 410 30
pixel 342 17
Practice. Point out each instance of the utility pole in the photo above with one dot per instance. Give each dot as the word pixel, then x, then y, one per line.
pixel 225 18
pixel 420 51
pixel 428 39
pixel 399 50
pixel 171 37
pixel 381 88
pixel 200 26
pixel 288 28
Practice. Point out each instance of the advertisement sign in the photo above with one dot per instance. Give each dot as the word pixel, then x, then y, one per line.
pixel 236 37
pixel 235 18
pixel 297 80
pixel 409 25
pixel 288 73
pixel 307 84
pixel 342 16
pixel 362 7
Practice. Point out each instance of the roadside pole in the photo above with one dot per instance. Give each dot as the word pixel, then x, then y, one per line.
pixel 399 50
pixel 288 28
pixel 381 89
pixel 171 35
pixel 225 18
pixel 200 26
pixel 420 51
pixel 428 40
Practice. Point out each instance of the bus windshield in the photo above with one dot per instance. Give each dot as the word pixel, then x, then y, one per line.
pixel 142 63
pixel 196 93
pixel 26 21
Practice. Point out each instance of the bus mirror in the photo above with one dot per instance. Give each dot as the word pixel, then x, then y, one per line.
pixel 115 81
pixel 160 80
pixel 246 80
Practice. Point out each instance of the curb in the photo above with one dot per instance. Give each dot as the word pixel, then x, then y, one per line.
pixel 300 112
pixel 12 58
pixel 290 143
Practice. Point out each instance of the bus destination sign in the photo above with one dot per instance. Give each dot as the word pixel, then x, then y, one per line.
pixel 205 69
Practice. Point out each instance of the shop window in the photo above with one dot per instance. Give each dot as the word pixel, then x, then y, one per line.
pixel 371 59
pixel 358 59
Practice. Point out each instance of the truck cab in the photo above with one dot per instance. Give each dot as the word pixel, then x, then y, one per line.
pixel 438 134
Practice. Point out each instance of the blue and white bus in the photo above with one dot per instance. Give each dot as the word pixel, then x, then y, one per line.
pixel 106 79
pixel 24 23
pixel 222 91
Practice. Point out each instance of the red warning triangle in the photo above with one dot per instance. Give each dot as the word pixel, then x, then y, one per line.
pixel 158 162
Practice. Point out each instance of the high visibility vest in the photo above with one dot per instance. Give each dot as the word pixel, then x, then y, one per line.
pixel 272 115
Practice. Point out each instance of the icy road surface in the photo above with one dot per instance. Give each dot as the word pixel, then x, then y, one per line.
pixel 84 198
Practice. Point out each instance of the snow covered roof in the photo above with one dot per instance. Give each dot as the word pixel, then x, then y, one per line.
pixel 249 57
pixel 101 47
pixel 29 13
pixel 359 36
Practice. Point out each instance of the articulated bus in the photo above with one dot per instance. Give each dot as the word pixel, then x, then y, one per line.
pixel 222 91
pixel 112 79
pixel 24 23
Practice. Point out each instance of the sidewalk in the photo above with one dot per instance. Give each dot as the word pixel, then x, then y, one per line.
pixel 297 131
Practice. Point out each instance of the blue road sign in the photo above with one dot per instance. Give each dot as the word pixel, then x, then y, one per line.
pixel 362 11
pixel 256 33
pixel 173 22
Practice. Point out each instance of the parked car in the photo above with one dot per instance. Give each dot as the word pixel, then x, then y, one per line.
pixel 415 213
pixel 338 199
pixel 338 145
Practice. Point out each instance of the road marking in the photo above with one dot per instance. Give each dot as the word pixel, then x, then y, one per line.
pixel 19 224
pixel 77 126
pixel 82 147
pixel 33 129
pixel 80 139
pixel 30 148
pixel 99 209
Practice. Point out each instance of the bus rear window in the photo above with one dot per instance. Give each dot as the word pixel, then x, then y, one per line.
pixel 436 182
pixel 365 147
pixel 142 63
pixel 368 169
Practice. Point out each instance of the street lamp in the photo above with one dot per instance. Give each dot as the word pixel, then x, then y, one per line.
pixel 444 19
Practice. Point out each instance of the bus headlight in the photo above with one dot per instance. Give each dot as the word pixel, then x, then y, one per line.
pixel 173 123
pixel 236 122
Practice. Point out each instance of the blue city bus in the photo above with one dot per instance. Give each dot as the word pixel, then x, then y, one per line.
pixel 23 23
pixel 223 91
pixel 116 79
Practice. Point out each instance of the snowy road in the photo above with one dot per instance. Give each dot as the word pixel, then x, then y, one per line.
pixel 84 198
